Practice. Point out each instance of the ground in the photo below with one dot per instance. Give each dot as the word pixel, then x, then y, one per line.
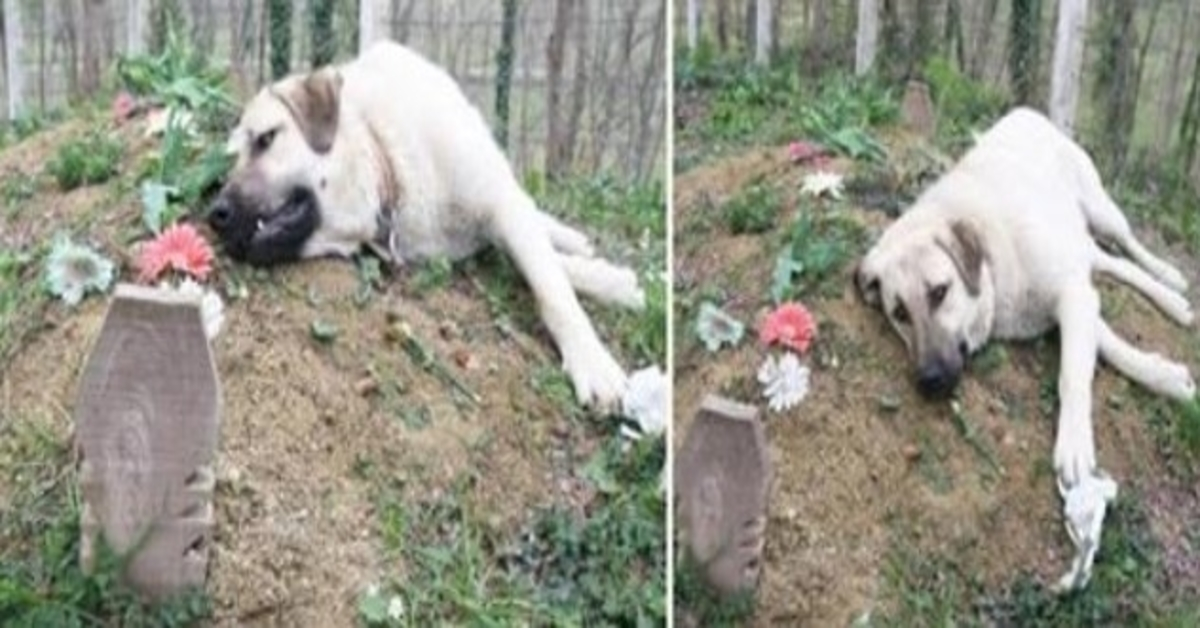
pixel 346 460
pixel 886 509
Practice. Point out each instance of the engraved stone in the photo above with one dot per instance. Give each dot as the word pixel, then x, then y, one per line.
pixel 722 480
pixel 146 429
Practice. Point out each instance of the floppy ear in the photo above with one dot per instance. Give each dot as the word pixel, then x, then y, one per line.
pixel 314 103
pixel 966 251
pixel 868 286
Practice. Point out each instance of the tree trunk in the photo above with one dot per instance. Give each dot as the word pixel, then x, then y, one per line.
pixel 1170 106
pixel 868 36
pixel 135 36
pixel 1189 126
pixel 983 39
pixel 693 23
pixel 281 37
pixel 578 91
pixel 952 34
pixel 723 25
pixel 1023 49
pixel 1115 90
pixel 923 42
pixel 14 39
pixel 324 43
pixel 762 32
pixel 504 69
pixel 555 50
pixel 1068 63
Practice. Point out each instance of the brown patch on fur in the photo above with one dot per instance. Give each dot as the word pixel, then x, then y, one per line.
pixel 966 252
pixel 314 104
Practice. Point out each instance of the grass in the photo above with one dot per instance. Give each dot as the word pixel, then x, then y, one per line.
pixel 753 209
pixel 87 160
pixel 555 569
pixel 41 582
pixel 1127 587
pixel 702 606
pixel 727 103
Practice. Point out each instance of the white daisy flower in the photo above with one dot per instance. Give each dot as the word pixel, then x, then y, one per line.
pixel 212 308
pixel 785 381
pixel 73 269
pixel 716 328
pixel 645 402
pixel 395 609
pixel 823 184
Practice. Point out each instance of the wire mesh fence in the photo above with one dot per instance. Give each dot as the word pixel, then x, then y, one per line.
pixel 586 93
pixel 1139 64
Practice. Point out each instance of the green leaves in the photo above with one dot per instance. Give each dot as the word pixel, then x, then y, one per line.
pixel 157 210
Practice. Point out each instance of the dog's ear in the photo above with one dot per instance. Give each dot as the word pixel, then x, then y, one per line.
pixel 966 251
pixel 314 102
pixel 867 284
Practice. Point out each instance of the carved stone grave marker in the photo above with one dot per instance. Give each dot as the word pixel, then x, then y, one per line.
pixel 722 479
pixel 146 427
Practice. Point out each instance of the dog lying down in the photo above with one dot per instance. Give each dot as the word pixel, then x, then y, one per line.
pixel 386 152
pixel 1004 246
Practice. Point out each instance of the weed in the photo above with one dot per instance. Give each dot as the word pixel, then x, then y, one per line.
pixel 753 209
pixel 816 248
pixel 41 582
pixel 697 602
pixel 15 188
pixel 555 569
pixel 181 78
pixel 963 104
pixel 989 360
pixel 435 274
pixel 1124 590
pixel 91 159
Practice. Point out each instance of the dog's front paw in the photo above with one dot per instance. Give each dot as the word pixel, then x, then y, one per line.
pixel 1074 459
pixel 598 380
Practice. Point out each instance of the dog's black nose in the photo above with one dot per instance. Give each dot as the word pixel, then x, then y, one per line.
pixel 220 215
pixel 935 382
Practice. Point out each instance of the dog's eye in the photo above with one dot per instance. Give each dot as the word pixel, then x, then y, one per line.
pixel 937 295
pixel 263 141
pixel 900 313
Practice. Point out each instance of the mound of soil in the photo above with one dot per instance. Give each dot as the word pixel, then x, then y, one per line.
pixel 297 539
pixel 867 474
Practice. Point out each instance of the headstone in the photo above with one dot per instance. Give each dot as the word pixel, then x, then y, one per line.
pixel 146 429
pixel 917 109
pixel 722 479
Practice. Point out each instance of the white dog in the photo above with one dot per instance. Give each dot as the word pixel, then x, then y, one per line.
pixel 1004 246
pixel 386 151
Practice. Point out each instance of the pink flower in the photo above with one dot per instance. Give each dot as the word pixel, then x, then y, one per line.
pixel 801 152
pixel 123 107
pixel 179 248
pixel 790 325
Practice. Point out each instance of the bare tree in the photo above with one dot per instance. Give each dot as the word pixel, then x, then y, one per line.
pixel 504 69
pixel 1024 47
pixel 868 36
pixel 693 23
pixel 1068 63
pixel 14 37
pixel 555 50
pixel 723 24
pixel 762 31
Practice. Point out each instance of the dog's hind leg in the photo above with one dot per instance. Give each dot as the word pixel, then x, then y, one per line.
pixel 518 228
pixel 604 281
pixel 1167 300
pixel 1105 219
pixel 1151 370
pixel 566 240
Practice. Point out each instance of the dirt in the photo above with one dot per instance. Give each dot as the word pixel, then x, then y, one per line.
pixel 305 425
pixel 865 468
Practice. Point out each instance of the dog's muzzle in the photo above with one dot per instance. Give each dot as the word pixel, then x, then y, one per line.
pixel 937 377
pixel 250 234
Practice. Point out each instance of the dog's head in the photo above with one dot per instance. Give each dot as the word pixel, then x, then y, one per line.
pixel 270 207
pixel 933 286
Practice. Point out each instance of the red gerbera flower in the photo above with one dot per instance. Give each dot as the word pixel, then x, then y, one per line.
pixel 180 248
pixel 123 107
pixel 790 325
